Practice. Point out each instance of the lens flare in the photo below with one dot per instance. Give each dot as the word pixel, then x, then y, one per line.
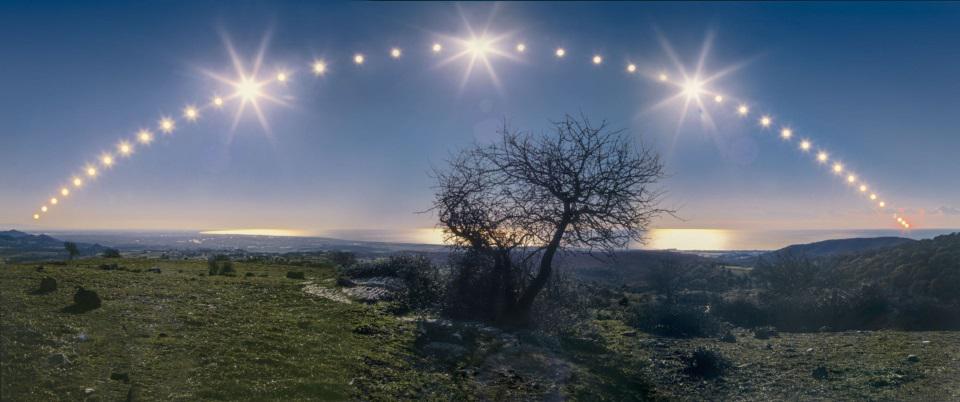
pixel 743 110
pixel 144 136
pixel 863 188
pixel 282 77
pixel 873 197
pixel 191 113
pixel 436 48
pixel 521 47
pixel 692 88
pixel 248 89
pixel 64 191
pixel 837 168
pixel 77 182
pixel 358 59
pixel 319 67
pixel 561 52
pixel 786 133
pixel 663 77
pixel 718 98
pixel 765 121
pixel 631 68
pixel 36 216
pixel 851 179
pixel 167 125
pixel 106 160
pixel 43 208
pixel 882 204
pixel 91 171
pixel 217 102
pixel 125 148
pixel 396 53
pixel 822 157
pixel 805 145
pixel 54 201
pixel 597 59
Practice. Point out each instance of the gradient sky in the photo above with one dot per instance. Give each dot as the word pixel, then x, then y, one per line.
pixel 875 84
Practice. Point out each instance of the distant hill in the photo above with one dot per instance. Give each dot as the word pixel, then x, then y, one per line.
pixel 19 246
pixel 920 268
pixel 832 248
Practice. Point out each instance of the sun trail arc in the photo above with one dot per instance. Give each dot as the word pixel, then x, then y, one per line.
pixel 476 50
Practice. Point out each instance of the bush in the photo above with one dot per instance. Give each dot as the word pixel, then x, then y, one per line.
pixel 423 283
pixel 342 258
pixel 742 313
pixel 296 275
pixel 705 363
pixel 678 320
pixel 111 253
pixel 220 265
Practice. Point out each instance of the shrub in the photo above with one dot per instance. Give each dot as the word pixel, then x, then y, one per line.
pixel 296 275
pixel 111 253
pixel 423 284
pixel 675 320
pixel 742 313
pixel 220 265
pixel 705 363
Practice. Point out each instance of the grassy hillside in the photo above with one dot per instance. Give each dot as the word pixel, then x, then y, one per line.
pixel 181 335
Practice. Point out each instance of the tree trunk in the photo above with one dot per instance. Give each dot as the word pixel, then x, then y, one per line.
pixel 522 310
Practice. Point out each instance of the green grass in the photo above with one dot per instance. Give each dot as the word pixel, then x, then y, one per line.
pixel 182 335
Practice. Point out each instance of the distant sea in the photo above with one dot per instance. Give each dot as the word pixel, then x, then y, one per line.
pixel 680 239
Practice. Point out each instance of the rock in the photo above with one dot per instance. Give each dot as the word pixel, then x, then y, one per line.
pixel 728 337
pixel 809 350
pixel 58 359
pixel 913 358
pixel 629 333
pixel 86 299
pixel 154 270
pixel 120 377
pixel 47 285
pixel 88 391
pixel 825 329
pixel 368 294
pixel 445 350
pixel 82 337
pixel 820 373
pixel 764 332
pixel 39 268
pixel 296 275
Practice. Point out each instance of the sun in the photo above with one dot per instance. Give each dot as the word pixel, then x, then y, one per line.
pixel 248 87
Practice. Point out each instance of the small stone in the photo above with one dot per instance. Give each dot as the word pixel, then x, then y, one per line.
pixel 809 350
pixel 629 333
pixel 154 270
pixel 913 358
pixel 88 391
pixel 820 373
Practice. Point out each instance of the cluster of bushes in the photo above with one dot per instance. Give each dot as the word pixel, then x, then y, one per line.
pixel 220 265
pixel 675 318
pixel 423 281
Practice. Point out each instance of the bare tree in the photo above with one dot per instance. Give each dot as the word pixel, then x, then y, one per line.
pixel 581 186
pixel 72 249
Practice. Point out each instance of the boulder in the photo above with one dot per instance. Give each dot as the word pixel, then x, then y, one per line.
pixel 913 358
pixel 86 299
pixel 819 373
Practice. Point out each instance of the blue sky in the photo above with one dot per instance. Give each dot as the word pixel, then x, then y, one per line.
pixel 873 84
